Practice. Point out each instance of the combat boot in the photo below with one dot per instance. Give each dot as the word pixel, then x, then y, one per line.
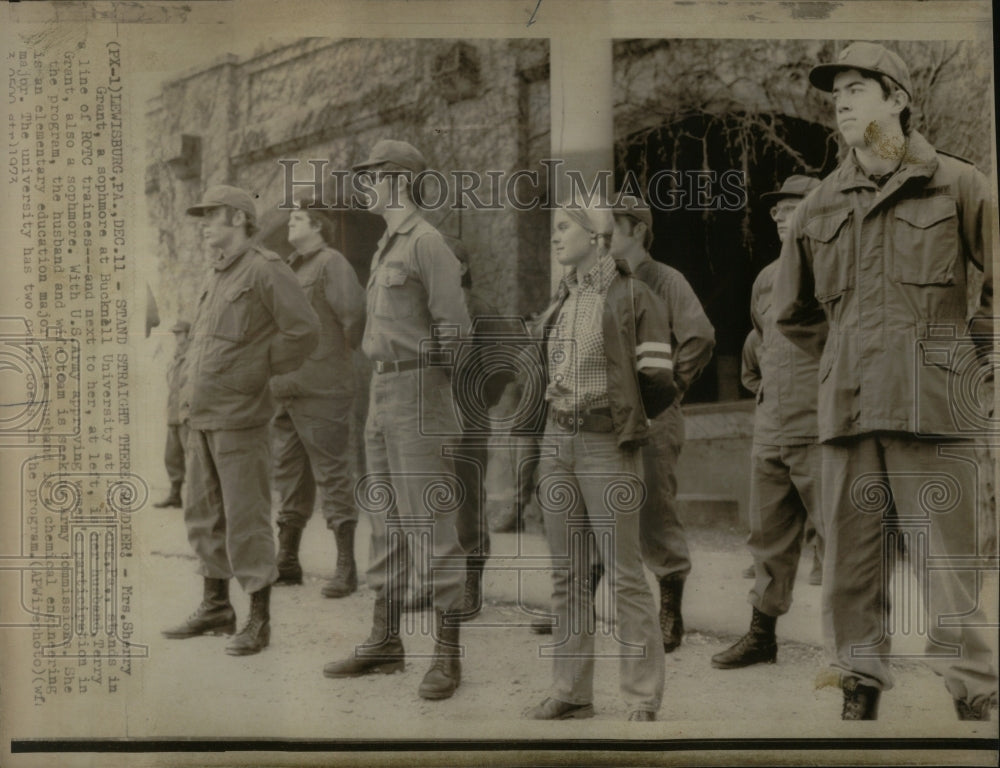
pixel 671 621
pixel 215 615
pixel 860 701
pixel 381 653
pixel 978 711
pixel 173 498
pixel 256 633
pixel 758 646
pixel 289 568
pixel 345 579
pixel 472 603
pixel 445 673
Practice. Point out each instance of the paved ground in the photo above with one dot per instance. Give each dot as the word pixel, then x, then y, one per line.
pixel 192 688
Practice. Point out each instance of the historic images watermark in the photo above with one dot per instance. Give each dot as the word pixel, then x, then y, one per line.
pixel 524 189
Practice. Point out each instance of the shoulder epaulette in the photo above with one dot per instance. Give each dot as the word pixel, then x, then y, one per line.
pixel 965 160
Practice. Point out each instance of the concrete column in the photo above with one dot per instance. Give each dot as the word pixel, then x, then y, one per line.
pixel 582 112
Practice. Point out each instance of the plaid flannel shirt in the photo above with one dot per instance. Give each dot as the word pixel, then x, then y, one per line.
pixel 577 360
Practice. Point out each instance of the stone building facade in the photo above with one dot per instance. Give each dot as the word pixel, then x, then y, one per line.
pixel 476 105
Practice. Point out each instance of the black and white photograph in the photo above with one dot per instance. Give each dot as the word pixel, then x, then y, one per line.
pixel 527 383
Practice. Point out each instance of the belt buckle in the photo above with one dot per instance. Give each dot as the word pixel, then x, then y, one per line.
pixel 381 366
pixel 565 420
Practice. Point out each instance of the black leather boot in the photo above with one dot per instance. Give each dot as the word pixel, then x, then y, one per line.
pixel 758 646
pixel 256 633
pixel 345 579
pixel 173 498
pixel 472 603
pixel 860 701
pixel 382 652
pixel 215 615
pixel 671 620
pixel 978 711
pixel 289 568
pixel 445 673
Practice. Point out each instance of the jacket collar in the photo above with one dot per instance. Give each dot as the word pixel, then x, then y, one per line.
pixel 604 272
pixel 919 161
pixel 298 256
pixel 222 263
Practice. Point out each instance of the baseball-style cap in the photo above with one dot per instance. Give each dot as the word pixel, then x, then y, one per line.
pixel 636 208
pixel 864 57
pixel 630 205
pixel 399 153
pixel 222 194
pixel 793 186
pixel 181 326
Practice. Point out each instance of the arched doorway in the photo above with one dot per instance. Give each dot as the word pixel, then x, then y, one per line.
pixel 718 246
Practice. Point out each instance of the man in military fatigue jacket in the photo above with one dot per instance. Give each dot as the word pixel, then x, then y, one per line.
pixel 873 276
pixel 310 430
pixel 785 459
pixel 664 544
pixel 253 321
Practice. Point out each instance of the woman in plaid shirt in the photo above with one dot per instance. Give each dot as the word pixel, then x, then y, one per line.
pixel 608 364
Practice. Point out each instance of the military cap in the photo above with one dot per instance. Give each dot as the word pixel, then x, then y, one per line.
pixel 864 57
pixel 397 153
pixel 181 326
pixel 222 194
pixel 793 186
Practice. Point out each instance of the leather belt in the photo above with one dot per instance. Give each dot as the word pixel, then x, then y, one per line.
pixel 593 420
pixel 382 366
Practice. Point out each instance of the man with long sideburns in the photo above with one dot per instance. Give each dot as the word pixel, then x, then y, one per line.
pixel 873 280
pixel 253 321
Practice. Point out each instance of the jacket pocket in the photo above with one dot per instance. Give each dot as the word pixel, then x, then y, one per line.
pixel 235 313
pixel 392 294
pixel 925 241
pixel 833 265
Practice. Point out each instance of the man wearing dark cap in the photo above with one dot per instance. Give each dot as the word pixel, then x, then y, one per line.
pixel 785 459
pixel 310 430
pixel 173 454
pixel 873 280
pixel 664 545
pixel 414 297
pixel 253 321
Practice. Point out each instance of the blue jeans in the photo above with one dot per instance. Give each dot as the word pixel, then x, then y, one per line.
pixel 590 494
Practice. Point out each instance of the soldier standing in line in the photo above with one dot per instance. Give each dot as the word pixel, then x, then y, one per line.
pixel 785 461
pixel 664 545
pixel 873 277
pixel 415 287
pixel 253 321
pixel 173 454
pixel 483 387
pixel 310 430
